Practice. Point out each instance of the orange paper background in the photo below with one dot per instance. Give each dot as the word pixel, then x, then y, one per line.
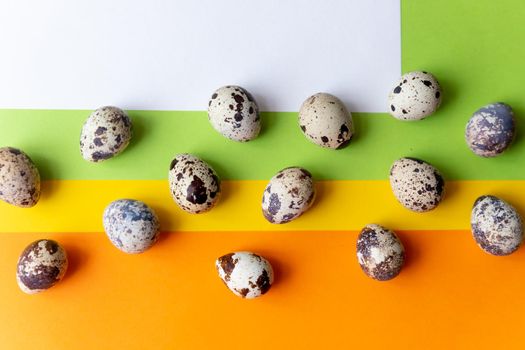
pixel 450 294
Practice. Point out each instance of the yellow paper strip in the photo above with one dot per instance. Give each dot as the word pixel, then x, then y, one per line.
pixel 77 206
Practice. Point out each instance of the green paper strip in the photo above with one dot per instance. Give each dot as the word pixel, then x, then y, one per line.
pixel 51 138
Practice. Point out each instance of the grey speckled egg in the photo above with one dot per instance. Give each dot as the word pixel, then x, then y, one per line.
pixel 246 274
pixel 417 185
pixel 416 96
pixel 496 226
pixel 40 266
pixel 19 178
pixel 105 134
pixel 194 185
pixel 380 253
pixel 288 195
pixel 325 121
pixel 131 225
pixel 233 112
pixel 490 130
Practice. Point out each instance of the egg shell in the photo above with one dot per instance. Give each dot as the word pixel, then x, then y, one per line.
pixel 380 253
pixel 491 130
pixel 496 226
pixel 416 184
pixel 234 113
pixel 194 185
pixel 106 133
pixel 19 178
pixel 288 195
pixel 325 121
pixel 131 225
pixel 40 266
pixel 246 274
pixel 416 96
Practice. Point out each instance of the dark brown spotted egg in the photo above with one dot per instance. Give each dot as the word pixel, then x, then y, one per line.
pixel 325 121
pixel 194 185
pixel 415 96
pixel 106 133
pixel 496 226
pixel 40 266
pixel 233 112
pixel 19 178
pixel 417 185
pixel 288 195
pixel 491 130
pixel 131 225
pixel 246 274
pixel 380 253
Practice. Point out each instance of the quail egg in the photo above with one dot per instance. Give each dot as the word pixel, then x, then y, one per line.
pixel 288 195
pixel 194 185
pixel 233 112
pixel 416 96
pixel 19 178
pixel 106 133
pixel 246 274
pixel 40 266
pixel 416 184
pixel 325 121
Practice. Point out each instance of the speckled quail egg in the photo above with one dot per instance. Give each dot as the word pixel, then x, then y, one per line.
pixel 233 112
pixel 131 225
pixel 380 253
pixel 246 274
pixel 496 226
pixel 417 185
pixel 40 266
pixel 325 121
pixel 19 178
pixel 416 96
pixel 105 134
pixel 194 185
pixel 288 195
pixel 490 130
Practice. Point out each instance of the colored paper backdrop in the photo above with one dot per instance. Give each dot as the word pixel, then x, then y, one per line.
pixel 450 294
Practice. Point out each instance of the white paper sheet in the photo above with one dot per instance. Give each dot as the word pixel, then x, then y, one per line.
pixel 171 55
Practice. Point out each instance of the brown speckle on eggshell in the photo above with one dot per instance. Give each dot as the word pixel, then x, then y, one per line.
pixel 380 253
pixel 325 121
pixel 40 266
pixel 106 133
pixel 288 195
pixel 246 274
pixel 19 178
pixel 194 185
pixel 416 184
pixel 415 96
pixel 234 113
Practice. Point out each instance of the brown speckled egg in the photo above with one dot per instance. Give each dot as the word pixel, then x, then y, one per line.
pixel 496 226
pixel 19 178
pixel 106 133
pixel 416 96
pixel 246 274
pixel 40 266
pixel 325 121
pixel 417 185
pixel 194 185
pixel 233 112
pixel 288 195
pixel 380 253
